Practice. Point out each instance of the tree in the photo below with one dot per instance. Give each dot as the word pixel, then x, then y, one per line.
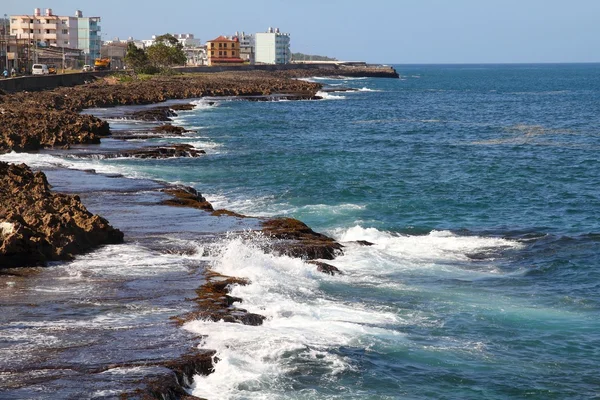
pixel 166 52
pixel 136 58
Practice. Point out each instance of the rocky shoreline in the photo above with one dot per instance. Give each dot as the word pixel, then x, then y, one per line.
pixel 52 118
pixel 38 225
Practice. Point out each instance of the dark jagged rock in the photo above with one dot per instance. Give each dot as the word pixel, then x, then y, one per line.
pixel 326 268
pixel 295 239
pixel 185 196
pixel 222 212
pixel 215 303
pixel 37 225
pixel 162 113
pixel 170 129
pixel 364 243
pixel 177 150
pixel 182 107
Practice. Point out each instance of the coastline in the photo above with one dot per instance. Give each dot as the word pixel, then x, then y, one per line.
pixel 292 237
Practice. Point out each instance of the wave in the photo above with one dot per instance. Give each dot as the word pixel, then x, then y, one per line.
pixel 329 96
pixel 205 104
pixel 366 89
pixel 311 316
pixel 303 325
pixel 436 249
pixel 39 161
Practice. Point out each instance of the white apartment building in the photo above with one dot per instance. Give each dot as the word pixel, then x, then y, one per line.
pixel 45 30
pixel 272 47
pixel 247 46
pixel 186 40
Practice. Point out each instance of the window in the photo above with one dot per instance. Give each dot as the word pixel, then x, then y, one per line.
pixel 66 42
pixel 212 45
pixel 212 53
pixel 220 45
pixel 47 21
pixel 220 54
pixel 13 21
pixel 65 31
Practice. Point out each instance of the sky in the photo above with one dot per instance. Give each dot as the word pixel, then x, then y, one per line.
pixel 378 31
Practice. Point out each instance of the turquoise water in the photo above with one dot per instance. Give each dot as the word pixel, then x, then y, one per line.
pixel 478 185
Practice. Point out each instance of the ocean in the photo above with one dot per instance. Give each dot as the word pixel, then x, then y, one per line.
pixel 479 187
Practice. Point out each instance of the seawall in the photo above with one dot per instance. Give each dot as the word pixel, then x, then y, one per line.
pixel 45 82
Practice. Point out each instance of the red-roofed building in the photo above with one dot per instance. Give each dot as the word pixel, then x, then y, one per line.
pixel 223 51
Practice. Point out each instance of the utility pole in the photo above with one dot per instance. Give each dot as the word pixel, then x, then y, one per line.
pixel 6 41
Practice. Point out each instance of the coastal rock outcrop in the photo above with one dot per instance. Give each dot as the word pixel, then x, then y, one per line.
pixel 185 196
pixel 176 150
pixel 215 303
pixel 37 225
pixel 51 118
pixel 294 238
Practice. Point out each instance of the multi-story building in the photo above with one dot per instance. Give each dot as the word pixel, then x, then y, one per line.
pixel 273 47
pixel 49 30
pixel 89 36
pixel 247 46
pixel 186 40
pixel 223 51
pixel 45 30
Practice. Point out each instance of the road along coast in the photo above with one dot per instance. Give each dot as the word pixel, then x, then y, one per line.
pixel 58 227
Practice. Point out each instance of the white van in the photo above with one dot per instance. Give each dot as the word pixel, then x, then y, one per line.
pixel 40 69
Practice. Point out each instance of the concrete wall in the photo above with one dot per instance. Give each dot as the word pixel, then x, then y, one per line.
pixel 42 82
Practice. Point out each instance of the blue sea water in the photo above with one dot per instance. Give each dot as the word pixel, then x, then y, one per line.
pixel 479 186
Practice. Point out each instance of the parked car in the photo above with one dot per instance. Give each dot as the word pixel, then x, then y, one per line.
pixel 39 69
pixel 87 68
pixel 52 69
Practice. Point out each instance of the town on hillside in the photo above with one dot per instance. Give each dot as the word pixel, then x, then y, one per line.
pixel 46 43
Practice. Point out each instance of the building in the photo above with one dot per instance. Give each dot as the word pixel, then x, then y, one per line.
pixel 223 51
pixel 115 51
pixel 88 37
pixel 45 30
pixel 272 47
pixel 50 30
pixel 247 46
pixel 186 40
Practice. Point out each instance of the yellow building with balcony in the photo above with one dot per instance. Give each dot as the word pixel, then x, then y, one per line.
pixel 223 51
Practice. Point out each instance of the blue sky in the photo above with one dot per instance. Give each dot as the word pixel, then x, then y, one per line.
pixel 387 31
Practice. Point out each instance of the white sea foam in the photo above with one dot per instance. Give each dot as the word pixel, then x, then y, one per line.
pixel 329 96
pixel 205 104
pixel 50 161
pixel 303 325
pixel 440 253
pixel 366 89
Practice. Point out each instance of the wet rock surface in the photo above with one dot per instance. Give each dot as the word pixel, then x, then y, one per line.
pixel 170 129
pixel 37 225
pixel 215 304
pixel 295 239
pixel 326 268
pixel 185 196
pixel 157 152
